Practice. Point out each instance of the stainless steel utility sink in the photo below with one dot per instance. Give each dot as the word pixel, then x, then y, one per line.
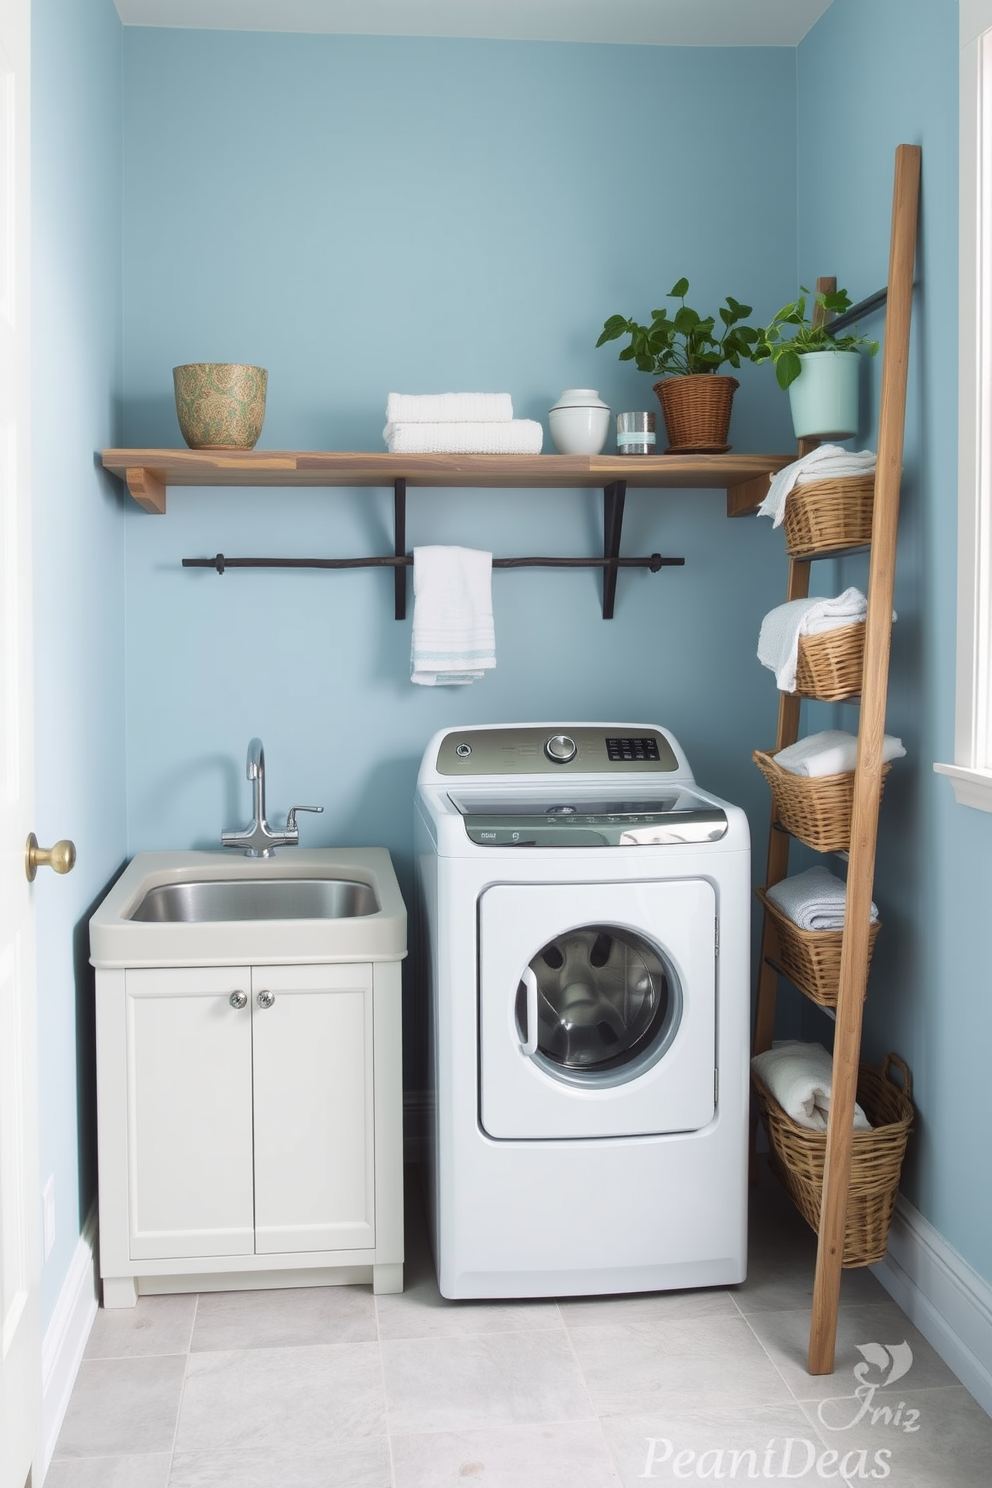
pixel 303 905
pixel 257 899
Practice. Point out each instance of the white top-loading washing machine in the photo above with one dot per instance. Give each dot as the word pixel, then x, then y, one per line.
pixel 584 913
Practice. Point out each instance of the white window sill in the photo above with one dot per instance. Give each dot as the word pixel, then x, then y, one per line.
pixel 971 787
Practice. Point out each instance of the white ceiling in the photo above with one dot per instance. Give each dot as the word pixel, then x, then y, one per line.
pixel 650 22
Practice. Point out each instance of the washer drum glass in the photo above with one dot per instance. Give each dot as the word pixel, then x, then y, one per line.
pixel 608 1000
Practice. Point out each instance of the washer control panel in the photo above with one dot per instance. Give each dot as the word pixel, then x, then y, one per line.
pixel 530 750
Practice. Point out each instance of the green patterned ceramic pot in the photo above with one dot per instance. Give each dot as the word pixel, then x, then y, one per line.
pixel 220 405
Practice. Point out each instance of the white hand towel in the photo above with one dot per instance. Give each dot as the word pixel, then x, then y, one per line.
pixel 454 640
pixel 515 437
pixel 831 752
pixel 778 641
pixel 799 1076
pixel 826 462
pixel 449 408
pixel 814 900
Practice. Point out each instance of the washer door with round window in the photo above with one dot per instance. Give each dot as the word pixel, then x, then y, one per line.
pixel 597 1009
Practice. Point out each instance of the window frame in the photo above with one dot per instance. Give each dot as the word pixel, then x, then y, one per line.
pixel 971 772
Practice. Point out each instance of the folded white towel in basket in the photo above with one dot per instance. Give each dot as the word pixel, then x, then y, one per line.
pixel 454 640
pixel 831 752
pixel 826 462
pixel 778 641
pixel 513 437
pixel 449 408
pixel 814 900
pixel 799 1076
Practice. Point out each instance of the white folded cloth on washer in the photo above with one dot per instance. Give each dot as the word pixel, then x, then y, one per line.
pixel 513 437
pixel 454 640
pixel 799 1076
pixel 831 752
pixel 778 641
pixel 814 900
pixel 449 408
pixel 826 462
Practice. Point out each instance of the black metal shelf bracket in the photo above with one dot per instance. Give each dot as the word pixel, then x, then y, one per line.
pixel 400 560
pixel 399 545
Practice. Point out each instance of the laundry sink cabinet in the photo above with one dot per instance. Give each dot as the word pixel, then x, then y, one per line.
pixel 249 1126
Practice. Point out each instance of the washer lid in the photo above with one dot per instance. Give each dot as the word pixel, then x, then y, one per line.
pixel 514 820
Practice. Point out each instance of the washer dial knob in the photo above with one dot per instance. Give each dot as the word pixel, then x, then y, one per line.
pixel 560 749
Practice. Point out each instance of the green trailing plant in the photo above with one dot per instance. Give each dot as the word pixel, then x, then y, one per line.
pixel 686 343
pixel 785 351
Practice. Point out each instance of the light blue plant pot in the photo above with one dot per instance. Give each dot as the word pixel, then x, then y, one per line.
pixel 824 397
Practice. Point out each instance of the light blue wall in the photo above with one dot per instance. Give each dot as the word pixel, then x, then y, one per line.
pixel 364 215
pixel 78 563
pixel 871 77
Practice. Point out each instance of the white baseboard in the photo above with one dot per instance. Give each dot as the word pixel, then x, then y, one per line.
pixel 941 1294
pixel 66 1335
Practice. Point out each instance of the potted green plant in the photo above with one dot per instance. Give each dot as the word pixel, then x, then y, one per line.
pixel 820 371
pixel 686 351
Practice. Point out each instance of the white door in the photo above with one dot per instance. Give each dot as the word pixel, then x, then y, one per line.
pixel 314 1113
pixel 597 1009
pixel 20 1346
pixel 189 1112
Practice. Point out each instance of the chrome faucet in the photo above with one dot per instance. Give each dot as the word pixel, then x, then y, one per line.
pixel 258 839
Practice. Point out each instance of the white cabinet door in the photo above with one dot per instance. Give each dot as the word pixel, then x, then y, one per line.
pixel 189 1113
pixel 313 1108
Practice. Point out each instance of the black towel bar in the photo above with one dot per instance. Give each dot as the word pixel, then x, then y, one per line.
pixel 653 562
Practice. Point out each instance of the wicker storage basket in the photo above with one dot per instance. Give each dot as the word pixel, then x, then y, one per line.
pixel 809 958
pixel 817 809
pixel 821 516
pixel 697 412
pixel 798 1154
pixel 829 666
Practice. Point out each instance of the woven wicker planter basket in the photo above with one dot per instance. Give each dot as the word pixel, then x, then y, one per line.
pixel 821 516
pixel 829 666
pixel 876 1158
pixel 809 958
pixel 817 810
pixel 697 412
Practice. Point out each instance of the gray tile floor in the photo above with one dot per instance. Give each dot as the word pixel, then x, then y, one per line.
pixel 332 1386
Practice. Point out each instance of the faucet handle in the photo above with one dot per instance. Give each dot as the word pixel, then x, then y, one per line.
pixel 291 818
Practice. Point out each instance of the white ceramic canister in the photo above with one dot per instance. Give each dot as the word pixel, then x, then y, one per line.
pixel 579 422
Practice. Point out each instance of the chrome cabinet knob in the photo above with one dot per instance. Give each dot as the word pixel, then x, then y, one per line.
pixel 238 999
pixel 266 999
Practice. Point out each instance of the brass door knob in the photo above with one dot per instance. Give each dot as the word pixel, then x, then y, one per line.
pixel 61 857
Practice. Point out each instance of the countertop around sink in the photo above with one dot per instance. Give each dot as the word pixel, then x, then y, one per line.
pixel 118 941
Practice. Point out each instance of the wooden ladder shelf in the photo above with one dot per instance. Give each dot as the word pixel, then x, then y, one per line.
pixel 867 777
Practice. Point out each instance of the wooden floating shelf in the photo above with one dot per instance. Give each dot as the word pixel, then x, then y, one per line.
pixel 148 473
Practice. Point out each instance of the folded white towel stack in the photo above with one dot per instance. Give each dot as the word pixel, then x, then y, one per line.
pixel 778 641
pixel 458 424
pixel 449 408
pixel 454 640
pixel 831 752
pixel 512 437
pixel 814 900
pixel 799 1076
pixel 826 462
